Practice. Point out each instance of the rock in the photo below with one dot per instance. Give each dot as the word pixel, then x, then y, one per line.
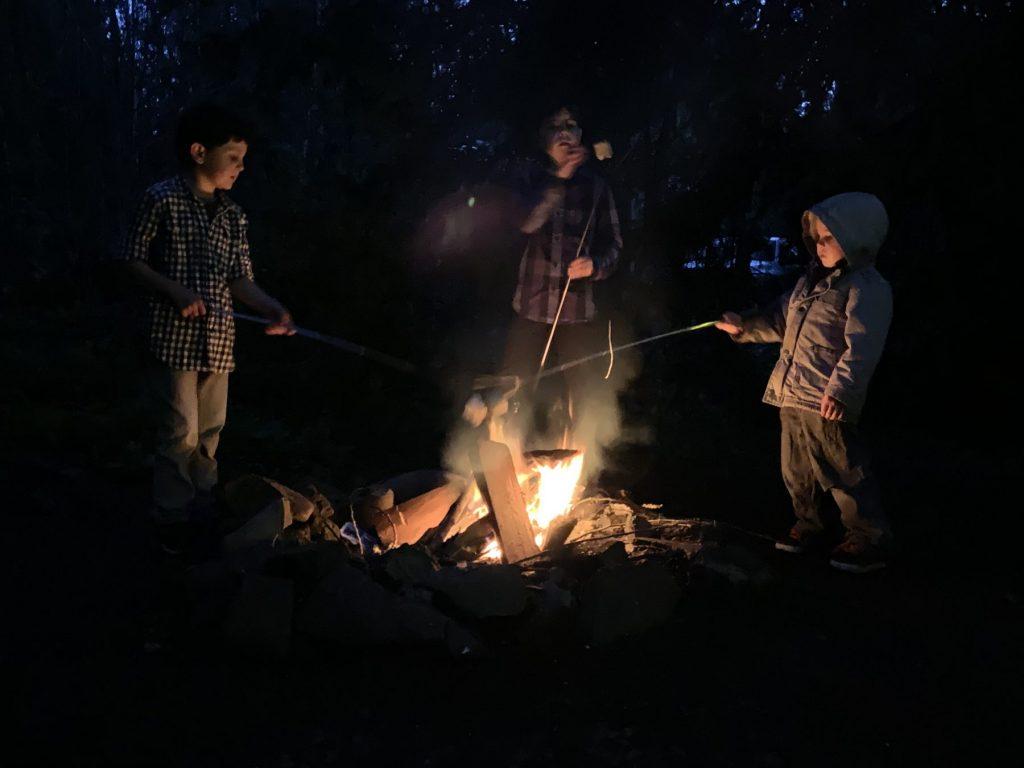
pixel 409 566
pixel 299 533
pixel 308 566
pixel 461 643
pixel 626 600
pixel 250 494
pixel 322 504
pixel 550 622
pixel 266 525
pixel 349 607
pixel 259 620
pixel 484 591
pixel 611 519
pixel 735 563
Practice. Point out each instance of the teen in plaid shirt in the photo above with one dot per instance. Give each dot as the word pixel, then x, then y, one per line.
pixel 565 203
pixel 188 246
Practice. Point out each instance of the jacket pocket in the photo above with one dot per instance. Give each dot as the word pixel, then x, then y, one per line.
pixel 826 322
pixel 817 364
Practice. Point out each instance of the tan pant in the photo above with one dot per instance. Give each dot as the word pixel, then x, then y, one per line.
pixel 821 456
pixel 191 407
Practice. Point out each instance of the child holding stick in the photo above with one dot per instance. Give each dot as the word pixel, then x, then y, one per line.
pixel 832 327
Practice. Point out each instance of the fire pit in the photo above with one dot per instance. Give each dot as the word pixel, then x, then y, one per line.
pixel 436 557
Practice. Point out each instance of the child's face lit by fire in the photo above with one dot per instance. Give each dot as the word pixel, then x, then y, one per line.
pixel 562 136
pixel 830 253
pixel 219 167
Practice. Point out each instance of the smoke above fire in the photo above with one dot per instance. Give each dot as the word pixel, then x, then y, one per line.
pixel 542 418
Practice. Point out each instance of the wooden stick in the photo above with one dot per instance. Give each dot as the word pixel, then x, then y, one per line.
pixel 565 292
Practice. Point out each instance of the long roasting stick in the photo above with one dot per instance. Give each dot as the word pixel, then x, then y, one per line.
pixel 613 350
pixel 565 292
pixel 334 341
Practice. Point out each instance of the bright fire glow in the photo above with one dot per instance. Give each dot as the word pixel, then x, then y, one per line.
pixel 556 488
pixel 492 551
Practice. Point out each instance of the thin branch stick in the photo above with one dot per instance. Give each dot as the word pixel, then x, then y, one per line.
pixel 611 353
pixel 565 292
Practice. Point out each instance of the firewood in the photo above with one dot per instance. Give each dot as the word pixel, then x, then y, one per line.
pixel 501 491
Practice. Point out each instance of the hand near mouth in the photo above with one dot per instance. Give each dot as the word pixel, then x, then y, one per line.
pixel 574 158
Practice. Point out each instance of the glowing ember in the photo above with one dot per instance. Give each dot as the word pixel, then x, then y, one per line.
pixel 555 491
pixel 492 551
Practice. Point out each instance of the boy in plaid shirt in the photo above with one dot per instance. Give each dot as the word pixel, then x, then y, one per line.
pixel 188 247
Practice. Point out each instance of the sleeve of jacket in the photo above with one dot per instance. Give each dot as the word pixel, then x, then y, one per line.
pixel 767 326
pixel 541 195
pixel 607 237
pixel 144 227
pixel 868 315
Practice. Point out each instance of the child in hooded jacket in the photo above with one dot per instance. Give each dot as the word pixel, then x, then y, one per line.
pixel 832 327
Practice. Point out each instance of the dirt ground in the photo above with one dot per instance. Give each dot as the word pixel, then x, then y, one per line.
pixel 919 664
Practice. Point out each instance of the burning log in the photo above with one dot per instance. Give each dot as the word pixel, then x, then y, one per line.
pixel 499 485
pixel 425 500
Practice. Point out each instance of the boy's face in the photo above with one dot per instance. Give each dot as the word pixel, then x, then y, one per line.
pixel 830 253
pixel 562 134
pixel 221 165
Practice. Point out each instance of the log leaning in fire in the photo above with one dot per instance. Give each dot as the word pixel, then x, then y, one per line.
pixel 407 521
pixel 500 489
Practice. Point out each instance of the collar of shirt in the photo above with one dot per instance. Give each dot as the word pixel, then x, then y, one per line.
pixel 220 197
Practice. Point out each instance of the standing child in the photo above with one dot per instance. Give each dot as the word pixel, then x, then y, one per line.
pixel 188 247
pixel 832 328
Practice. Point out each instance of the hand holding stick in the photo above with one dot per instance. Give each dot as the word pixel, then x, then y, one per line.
pixel 565 291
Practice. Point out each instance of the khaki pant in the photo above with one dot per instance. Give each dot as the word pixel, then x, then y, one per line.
pixel 191 407
pixel 820 456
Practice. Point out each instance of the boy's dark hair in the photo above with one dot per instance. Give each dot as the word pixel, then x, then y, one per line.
pixel 210 125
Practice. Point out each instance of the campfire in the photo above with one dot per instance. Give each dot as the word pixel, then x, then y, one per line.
pixel 550 486
pixel 434 556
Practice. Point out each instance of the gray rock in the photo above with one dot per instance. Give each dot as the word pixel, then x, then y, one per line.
pixel 250 494
pixel 408 565
pixel 349 607
pixel 483 591
pixel 626 600
pixel 266 525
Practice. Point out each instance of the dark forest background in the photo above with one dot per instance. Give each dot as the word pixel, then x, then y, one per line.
pixel 377 121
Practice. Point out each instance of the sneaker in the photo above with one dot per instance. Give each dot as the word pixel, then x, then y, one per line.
pixel 858 554
pixel 798 540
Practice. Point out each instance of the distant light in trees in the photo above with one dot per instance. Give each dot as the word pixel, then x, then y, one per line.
pixel 830 96
pixel 797 14
pixel 804 106
pixel 472 201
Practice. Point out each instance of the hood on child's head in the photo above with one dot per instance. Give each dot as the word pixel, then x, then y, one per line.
pixel 857 220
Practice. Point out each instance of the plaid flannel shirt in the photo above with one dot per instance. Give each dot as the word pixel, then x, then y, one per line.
pixel 173 232
pixel 558 211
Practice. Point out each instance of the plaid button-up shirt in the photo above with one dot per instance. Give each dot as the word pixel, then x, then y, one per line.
pixel 558 211
pixel 175 233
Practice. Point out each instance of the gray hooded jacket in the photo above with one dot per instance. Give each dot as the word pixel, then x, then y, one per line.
pixel 832 333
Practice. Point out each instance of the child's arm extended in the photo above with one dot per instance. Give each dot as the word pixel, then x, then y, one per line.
pixel 868 314
pixel 250 294
pixel 766 327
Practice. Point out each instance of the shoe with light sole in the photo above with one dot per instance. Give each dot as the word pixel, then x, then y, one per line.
pixel 799 540
pixel 858 554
